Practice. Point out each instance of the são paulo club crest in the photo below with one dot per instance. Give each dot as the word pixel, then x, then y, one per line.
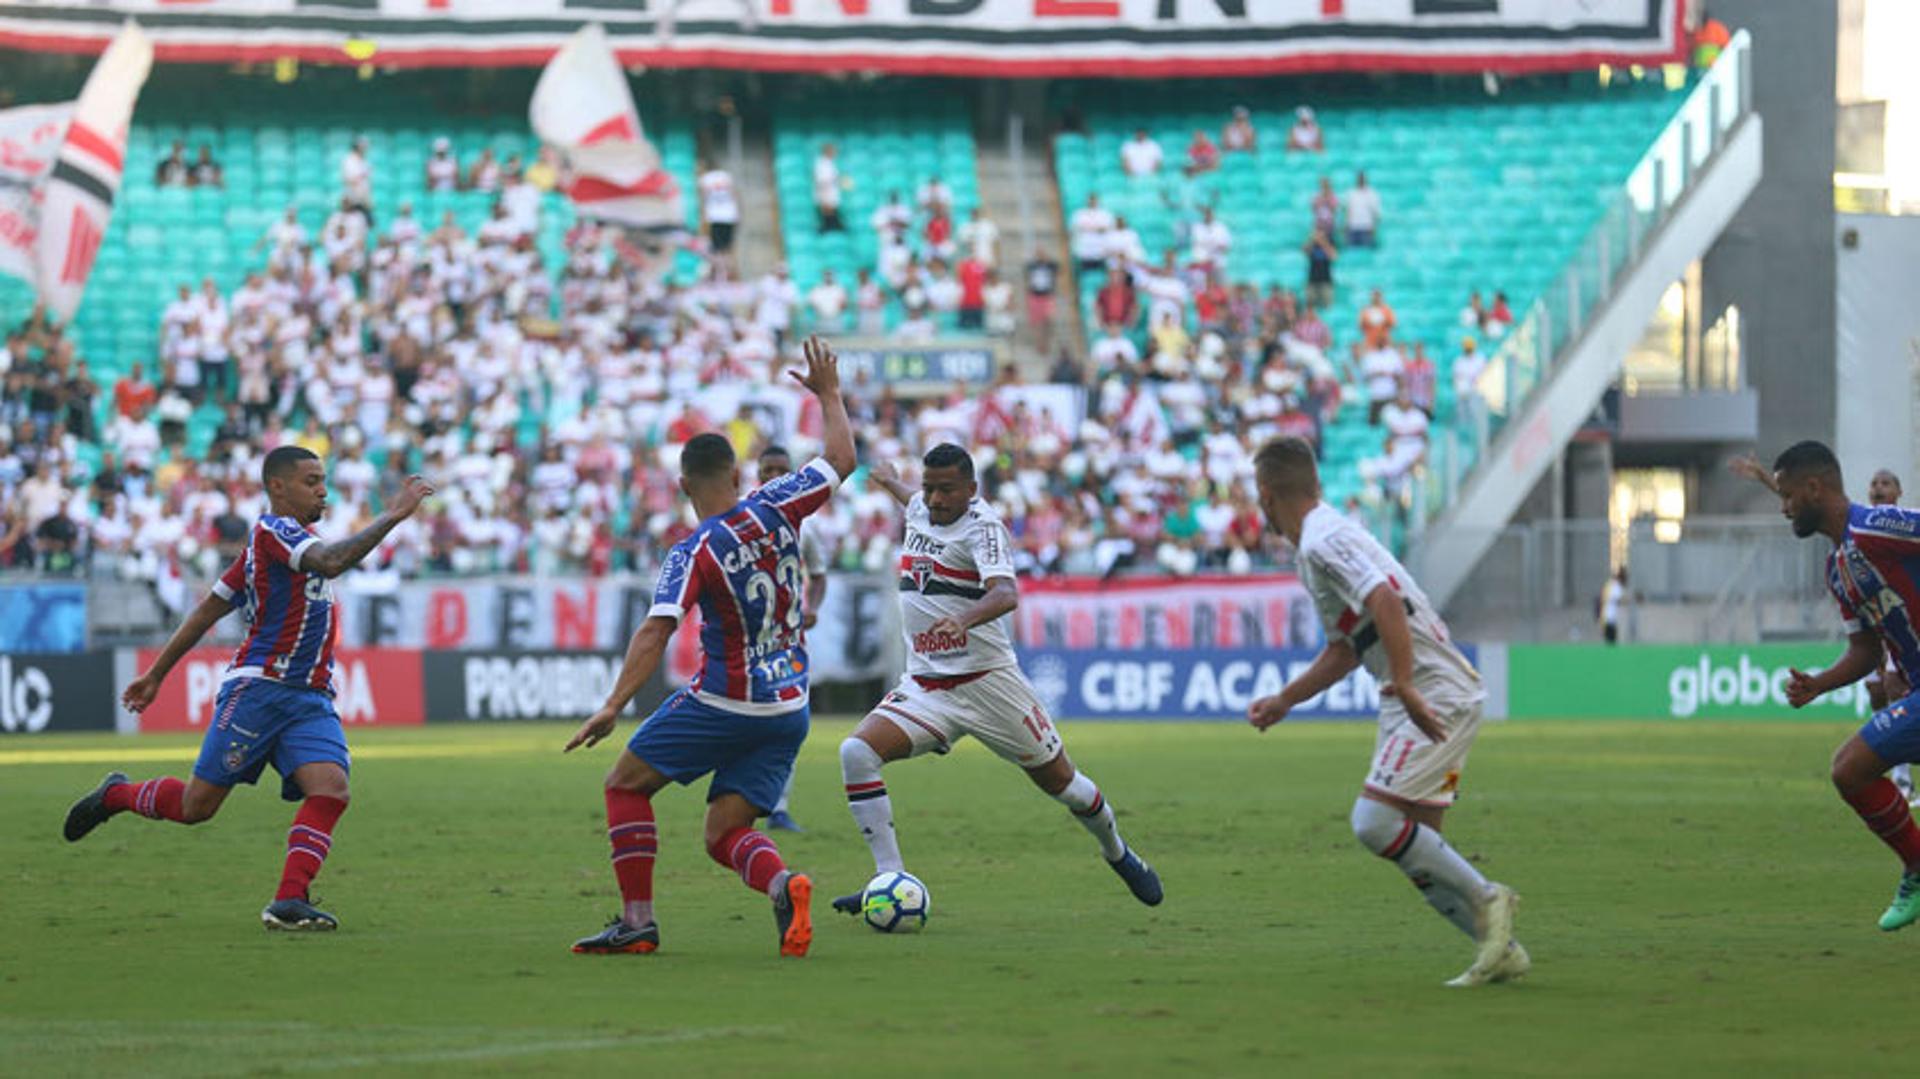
pixel 920 570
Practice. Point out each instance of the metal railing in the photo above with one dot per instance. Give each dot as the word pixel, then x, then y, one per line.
pixel 1745 577
pixel 1633 215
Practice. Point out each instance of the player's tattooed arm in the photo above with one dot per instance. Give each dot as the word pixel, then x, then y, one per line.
pixel 141 691
pixel 333 559
pixel 887 478
pixel 649 643
pixel 1335 661
pixel 1862 657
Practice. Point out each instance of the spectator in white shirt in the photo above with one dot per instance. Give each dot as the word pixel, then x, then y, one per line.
pixel 1238 135
pixel 778 297
pixel 1363 212
pixel 826 189
pixel 1113 351
pixel 1124 244
pixel 828 299
pixel 1209 240
pixel 1406 442
pixel 443 172
pixel 1304 136
pixel 916 328
pixel 934 195
pixel 1141 156
pixel 981 237
pixel 1469 406
pixel 1090 225
pixel 484 173
pixel 1380 369
pixel 892 217
pixel 356 179
pixel 719 207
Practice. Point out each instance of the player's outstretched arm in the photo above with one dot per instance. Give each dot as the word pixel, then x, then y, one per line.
pixel 333 559
pixel 1335 661
pixel 822 379
pixel 1749 467
pixel 1390 618
pixel 887 478
pixel 1862 657
pixel 649 643
pixel 141 691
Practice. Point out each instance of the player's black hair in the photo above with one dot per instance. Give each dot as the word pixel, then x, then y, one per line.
pixel 283 460
pixel 1287 466
pixel 948 455
pixel 775 450
pixel 706 457
pixel 1809 458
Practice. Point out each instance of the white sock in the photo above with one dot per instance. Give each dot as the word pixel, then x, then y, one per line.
pixel 1450 884
pixel 872 809
pixel 786 792
pixel 1090 808
pixel 638 913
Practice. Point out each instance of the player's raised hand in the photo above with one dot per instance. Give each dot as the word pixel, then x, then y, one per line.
pixel 822 376
pixel 598 726
pixel 884 473
pixel 1418 710
pixel 1267 711
pixel 1749 467
pixel 140 693
pixel 411 494
pixel 1800 688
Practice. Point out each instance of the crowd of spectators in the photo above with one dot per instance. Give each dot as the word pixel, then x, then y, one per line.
pixel 548 402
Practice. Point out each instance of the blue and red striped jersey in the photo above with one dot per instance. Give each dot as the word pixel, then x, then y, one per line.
pixel 292 627
pixel 743 569
pixel 1874 574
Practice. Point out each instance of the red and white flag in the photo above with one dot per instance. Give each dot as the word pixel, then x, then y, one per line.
pixel 86 172
pixel 30 136
pixel 583 107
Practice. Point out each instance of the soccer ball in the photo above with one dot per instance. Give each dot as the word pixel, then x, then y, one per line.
pixel 895 903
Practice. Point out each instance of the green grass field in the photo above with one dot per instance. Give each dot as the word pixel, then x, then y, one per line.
pixel 1697 902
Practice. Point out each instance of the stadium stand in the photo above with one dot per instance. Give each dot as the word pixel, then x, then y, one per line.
pixel 1479 195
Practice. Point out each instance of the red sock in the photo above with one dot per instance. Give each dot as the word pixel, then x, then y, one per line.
pixel 308 842
pixel 750 854
pixel 636 841
pixel 1883 809
pixel 156 798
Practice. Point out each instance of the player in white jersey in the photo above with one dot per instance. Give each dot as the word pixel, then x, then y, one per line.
pixel 774 463
pixel 956 590
pixel 1375 616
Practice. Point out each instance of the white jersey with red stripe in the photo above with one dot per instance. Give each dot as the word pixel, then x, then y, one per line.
pixel 742 570
pixel 944 569
pixel 1341 565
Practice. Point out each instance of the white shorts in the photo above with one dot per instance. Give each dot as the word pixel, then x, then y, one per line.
pixel 1409 767
pixel 999 708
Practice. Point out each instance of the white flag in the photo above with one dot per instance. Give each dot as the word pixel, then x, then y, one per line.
pixel 86 174
pixel 29 138
pixel 583 107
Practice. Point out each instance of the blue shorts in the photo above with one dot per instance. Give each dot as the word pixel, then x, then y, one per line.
pixel 258 720
pixel 1894 731
pixel 751 756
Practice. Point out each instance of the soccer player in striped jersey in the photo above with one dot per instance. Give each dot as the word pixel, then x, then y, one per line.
pixel 956 590
pixel 1377 617
pixel 1873 572
pixel 744 715
pixel 1887 684
pixel 776 462
pixel 275 705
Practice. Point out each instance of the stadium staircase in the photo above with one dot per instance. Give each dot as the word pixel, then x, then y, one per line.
pixel 280 145
pixel 1479 193
pixel 891 136
pixel 1018 193
pixel 1550 372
